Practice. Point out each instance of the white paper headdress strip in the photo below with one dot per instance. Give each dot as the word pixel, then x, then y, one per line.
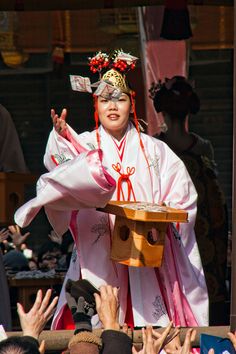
pixel 104 89
pixel 107 91
pixel 80 83
pixel 129 59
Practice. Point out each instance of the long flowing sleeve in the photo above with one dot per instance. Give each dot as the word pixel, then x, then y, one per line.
pixel 79 181
pixel 59 149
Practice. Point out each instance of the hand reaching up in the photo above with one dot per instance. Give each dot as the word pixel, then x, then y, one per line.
pixel 107 307
pixel 34 321
pixel 4 233
pixel 54 237
pixel 16 235
pixel 153 341
pixel 187 345
pixel 232 337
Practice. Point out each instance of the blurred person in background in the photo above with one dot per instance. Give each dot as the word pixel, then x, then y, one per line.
pixel 177 101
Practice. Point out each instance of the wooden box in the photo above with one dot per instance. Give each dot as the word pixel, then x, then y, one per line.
pixel 139 232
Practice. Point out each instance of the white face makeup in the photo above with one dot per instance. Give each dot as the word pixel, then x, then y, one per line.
pixel 114 115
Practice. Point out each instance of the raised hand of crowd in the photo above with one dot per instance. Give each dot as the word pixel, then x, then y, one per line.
pixel 107 307
pixel 54 237
pixel 175 347
pixel 4 233
pixel 34 321
pixel 232 337
pixel 17 237
pixel 154 342
pixel 14 232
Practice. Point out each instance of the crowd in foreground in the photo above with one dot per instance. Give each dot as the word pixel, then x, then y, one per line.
pixel 114 338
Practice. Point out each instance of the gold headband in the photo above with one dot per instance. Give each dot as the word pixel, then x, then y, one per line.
pixel 116 79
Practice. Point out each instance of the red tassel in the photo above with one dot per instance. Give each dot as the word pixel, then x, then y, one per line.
pixel 96 118
pixel 134 112
pixel 177 226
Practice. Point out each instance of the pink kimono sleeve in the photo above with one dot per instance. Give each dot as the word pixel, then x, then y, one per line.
pixel 78 183
pixel 59 149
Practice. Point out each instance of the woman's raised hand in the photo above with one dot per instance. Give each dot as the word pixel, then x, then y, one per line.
pixel 59 122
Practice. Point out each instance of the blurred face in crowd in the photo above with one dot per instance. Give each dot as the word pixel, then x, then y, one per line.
pixel 50 260
pixel 33 264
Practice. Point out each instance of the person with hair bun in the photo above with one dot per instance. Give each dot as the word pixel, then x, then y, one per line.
pixel 176 99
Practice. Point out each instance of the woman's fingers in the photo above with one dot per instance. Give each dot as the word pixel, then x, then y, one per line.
pixel 63 114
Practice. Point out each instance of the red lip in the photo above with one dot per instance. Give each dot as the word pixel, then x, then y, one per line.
pixel 112 116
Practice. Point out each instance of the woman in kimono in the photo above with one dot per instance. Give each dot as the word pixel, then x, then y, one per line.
pixel 125 165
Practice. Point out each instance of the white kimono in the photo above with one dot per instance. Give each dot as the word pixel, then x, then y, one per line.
pixel 175 291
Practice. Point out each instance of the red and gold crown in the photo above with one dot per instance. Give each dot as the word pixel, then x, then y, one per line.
pixel 113 68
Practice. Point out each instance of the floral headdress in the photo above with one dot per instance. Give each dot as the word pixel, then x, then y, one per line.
pixel 112 70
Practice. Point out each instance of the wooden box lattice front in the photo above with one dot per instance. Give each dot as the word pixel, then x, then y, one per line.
pixel 139 232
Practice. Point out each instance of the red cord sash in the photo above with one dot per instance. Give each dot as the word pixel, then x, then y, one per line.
pixel 124 177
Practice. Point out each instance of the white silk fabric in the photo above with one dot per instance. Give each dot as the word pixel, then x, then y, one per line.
pixel 175 291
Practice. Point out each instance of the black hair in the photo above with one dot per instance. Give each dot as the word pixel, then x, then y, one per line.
pixel 176 98
pixel 19 345
pixel 67 240
pixel 48 246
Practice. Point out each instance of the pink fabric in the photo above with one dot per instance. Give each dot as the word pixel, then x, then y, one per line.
pixel 70 137
pixel 80 185
pixel 172 291
pixel 164 59
pixel 161 58
pixel 100 175
pixel 67 182
pixel 93 234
